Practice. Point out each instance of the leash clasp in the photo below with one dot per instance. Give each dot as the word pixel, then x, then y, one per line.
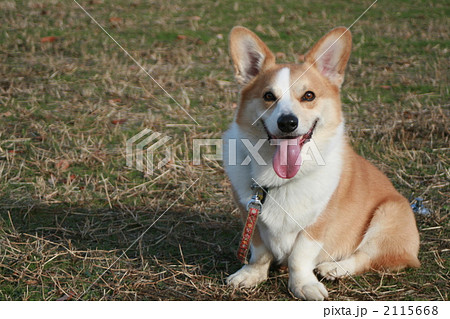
pixel 254 202
pixel 258 197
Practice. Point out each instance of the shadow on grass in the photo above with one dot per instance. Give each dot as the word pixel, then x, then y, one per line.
pixel 61 252
pixel 83 242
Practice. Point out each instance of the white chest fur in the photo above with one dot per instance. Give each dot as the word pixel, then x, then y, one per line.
pixel 291 205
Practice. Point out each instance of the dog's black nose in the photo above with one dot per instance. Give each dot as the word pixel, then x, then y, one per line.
pixel 287 123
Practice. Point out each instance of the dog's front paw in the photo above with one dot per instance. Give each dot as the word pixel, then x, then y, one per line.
pixel 248 276
pixel 311 291
pixel 332 270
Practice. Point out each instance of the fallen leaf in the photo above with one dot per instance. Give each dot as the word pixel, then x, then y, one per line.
pixel 118 121
pixel 300 58
pixel 280 55
pixel 63 165
pixel 6 114
pixel 115 19
pixel 114 101
pixel 70 179
pixel 407 115
pixel 48 39
pixel 181 37
pixel 15 151
pixel 386 87
pixel 38 138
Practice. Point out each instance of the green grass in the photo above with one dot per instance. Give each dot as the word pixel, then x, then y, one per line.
pixel 61 228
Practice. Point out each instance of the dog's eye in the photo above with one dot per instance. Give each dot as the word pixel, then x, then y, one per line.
pixel 308 96
pixel 269 97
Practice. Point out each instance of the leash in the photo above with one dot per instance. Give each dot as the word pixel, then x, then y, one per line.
pixel 254 208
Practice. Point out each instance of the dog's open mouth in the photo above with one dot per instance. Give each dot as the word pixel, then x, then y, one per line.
pixel 287 159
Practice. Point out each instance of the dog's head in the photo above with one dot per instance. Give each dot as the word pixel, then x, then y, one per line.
pixel 289 103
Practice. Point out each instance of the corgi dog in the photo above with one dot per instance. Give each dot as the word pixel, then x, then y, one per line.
pixel 337 217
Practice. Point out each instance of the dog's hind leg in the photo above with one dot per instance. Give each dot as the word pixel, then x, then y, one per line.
pixel 356 263
pixel 390 243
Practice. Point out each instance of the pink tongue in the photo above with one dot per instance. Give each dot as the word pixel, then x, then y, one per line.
pixel 287 158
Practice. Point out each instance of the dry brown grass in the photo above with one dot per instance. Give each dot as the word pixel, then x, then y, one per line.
pixel 69 207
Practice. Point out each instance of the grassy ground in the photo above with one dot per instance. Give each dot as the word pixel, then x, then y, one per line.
pixel 69 206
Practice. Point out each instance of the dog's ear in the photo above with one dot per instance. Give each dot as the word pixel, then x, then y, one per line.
pixel 330 55
pixel 250 55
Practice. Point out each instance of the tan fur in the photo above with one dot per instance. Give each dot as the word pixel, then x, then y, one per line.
pixel 365 198
pixel 367 224
pixel 253 41
pixel 319 50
